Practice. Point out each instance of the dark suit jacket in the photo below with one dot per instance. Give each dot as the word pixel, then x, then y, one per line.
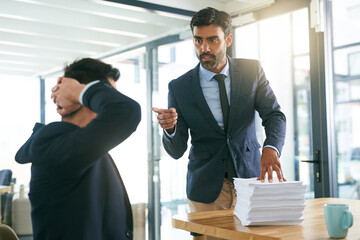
pixel 76 191
pixel 210 145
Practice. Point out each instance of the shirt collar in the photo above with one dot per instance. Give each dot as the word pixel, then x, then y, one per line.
pixel 208 75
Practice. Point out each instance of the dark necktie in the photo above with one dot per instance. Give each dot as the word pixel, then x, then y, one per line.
pixel 230 170
pixel 223 98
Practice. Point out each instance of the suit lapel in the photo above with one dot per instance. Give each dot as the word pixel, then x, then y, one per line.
pixel 236 80
pixel 200 100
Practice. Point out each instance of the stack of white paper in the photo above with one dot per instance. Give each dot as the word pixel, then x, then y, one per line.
pixel 264 203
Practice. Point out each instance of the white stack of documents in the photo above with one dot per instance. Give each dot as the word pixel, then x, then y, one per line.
pixel 264 203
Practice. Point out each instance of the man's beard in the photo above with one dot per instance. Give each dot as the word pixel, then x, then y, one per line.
pixel 217 58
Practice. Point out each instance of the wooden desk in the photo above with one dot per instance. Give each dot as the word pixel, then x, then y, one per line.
pixel 3 189
pixel 224 224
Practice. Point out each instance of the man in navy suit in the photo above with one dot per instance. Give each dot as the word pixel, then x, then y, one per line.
pixel 221 150
pixel 76 191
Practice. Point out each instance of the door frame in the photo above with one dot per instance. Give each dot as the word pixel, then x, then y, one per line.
pixel 321 78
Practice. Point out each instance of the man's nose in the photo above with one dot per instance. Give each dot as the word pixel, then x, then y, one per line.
pixel 205 47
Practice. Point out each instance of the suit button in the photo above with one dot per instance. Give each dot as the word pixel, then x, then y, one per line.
pixel 129 233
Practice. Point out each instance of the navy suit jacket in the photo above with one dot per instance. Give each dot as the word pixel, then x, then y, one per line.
pixel 210 145
pixel 76 191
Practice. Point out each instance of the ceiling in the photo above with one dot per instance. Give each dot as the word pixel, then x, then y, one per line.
pixel 37 37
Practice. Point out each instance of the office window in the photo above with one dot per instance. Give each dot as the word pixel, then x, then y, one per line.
pixel 281 44
pixel 346 20
pixel 173 61
pixel 131 155
pixel 19 99
pixel 346 52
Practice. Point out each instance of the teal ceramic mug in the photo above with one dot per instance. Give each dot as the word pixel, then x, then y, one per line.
pixel 338 219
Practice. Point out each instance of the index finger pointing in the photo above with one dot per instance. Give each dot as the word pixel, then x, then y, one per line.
pixel 157 110
pixel 162 111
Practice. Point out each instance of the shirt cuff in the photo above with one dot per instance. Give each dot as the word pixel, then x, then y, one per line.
pixel 270 146
pixel 84 90
pixel 170 135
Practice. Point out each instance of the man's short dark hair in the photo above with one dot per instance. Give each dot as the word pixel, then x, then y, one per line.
pixel 208 16
pixel 88 70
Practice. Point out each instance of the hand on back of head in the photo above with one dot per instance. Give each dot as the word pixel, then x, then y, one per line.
pixel 65 95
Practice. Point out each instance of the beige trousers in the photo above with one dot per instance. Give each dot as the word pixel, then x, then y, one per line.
pixel 225 200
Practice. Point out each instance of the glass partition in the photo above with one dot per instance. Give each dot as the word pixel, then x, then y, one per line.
pixel 20 101
pixel 173 61
pixel 346 69
pixel 131 156
pixel 281 44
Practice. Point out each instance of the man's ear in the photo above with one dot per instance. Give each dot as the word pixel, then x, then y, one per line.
pixel 228 40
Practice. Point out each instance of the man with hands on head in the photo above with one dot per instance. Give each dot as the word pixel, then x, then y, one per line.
pixel 76 191
pixel 223 142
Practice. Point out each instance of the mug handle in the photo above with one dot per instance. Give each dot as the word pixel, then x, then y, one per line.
pixel 347 220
